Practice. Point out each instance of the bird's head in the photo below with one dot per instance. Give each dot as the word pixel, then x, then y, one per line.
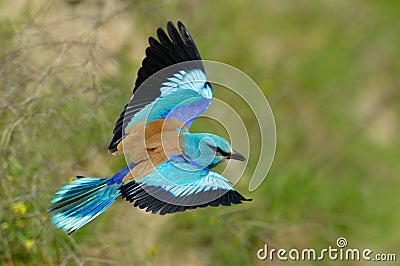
pixel 209 150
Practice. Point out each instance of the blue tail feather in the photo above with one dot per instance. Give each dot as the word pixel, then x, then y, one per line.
pixel 79 203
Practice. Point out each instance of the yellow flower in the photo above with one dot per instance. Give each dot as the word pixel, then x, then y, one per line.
pixel 4 226
pixel 20 223
pixel 29 243
pixel 152 251
pixel 19 207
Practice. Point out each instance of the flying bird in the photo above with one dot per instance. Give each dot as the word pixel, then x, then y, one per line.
pixel 171 168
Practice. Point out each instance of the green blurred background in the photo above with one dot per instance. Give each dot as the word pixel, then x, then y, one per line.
pixel 330 70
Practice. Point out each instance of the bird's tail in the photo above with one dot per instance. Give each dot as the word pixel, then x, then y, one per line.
pixel 84 199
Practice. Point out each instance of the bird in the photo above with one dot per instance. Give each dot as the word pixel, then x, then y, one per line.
pixel 170 168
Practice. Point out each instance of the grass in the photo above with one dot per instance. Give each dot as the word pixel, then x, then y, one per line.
pixel 329 70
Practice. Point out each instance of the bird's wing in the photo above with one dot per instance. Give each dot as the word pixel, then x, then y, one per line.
pixel 180 92
pixel 177 185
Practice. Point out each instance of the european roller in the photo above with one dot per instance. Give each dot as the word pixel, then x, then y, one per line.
pixel 170 169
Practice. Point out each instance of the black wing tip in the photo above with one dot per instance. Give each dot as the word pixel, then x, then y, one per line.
pixel 138 194
pixel 180 25
pixel 169 28
pixel 152 42
pixel 111 149
pixel 186 37
pixel 184 32
pixel 170 24
pixel 159 31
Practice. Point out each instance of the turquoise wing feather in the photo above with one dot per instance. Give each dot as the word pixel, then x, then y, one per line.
pixel 185 96
pixel 178 185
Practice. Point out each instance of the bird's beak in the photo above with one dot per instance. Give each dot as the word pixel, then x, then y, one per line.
pixel 237 156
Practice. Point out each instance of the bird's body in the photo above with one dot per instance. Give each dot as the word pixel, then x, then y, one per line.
pixel 171 168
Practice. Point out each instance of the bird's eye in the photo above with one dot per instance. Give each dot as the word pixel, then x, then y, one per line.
pixel 219 151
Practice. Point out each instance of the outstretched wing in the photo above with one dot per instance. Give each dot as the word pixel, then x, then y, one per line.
pixel 177 186
pixel 178 91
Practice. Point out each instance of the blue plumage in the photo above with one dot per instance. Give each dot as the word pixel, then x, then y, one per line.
pixel 172 168
pixel 185 96
pixel 81 202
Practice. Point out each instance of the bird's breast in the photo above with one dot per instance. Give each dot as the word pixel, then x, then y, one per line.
pixel 149 144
